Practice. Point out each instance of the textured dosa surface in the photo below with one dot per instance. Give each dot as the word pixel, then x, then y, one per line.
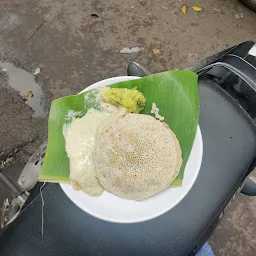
pixel 136 156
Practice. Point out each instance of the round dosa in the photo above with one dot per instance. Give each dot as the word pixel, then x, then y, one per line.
pixel 136 156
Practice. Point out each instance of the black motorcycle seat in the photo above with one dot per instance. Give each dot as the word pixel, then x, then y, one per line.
pixel 229 141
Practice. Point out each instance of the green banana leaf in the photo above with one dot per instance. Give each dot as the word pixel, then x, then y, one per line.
pixel 175 94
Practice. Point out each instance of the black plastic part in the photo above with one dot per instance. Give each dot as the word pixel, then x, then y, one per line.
pixel 135 69
pixel 13 187
pixel 240 50
pixel 239 80
pixel 209 60
pixel 249 187
pixel 251 4
pixel 241 73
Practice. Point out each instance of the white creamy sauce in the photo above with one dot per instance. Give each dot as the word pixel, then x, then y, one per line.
pixel 80 139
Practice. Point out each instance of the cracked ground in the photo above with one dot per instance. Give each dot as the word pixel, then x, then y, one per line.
pixel 74 48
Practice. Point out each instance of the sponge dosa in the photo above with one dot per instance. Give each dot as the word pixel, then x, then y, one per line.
pixel 136 156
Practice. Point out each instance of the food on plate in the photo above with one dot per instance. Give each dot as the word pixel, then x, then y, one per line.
pixel 114 148
pixel 80 139
pixel 136 156
pixel 132 100
pixel 155 111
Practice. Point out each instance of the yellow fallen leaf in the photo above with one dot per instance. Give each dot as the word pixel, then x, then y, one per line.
pixel 27 96
pixel 197 8
pixel 184 9
pixel 156 52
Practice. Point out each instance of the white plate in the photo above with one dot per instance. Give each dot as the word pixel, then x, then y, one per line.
pixel 115 209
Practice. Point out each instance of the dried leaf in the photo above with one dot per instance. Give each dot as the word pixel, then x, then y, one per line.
pixel 197 8
pixel 156 52
pixel 184 9
pixel 193 57
pixel 27 96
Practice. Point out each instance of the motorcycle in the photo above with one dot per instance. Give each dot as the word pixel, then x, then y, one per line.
pixel 227 91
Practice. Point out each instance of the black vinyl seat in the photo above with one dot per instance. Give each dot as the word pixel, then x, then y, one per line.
pixel 229 141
